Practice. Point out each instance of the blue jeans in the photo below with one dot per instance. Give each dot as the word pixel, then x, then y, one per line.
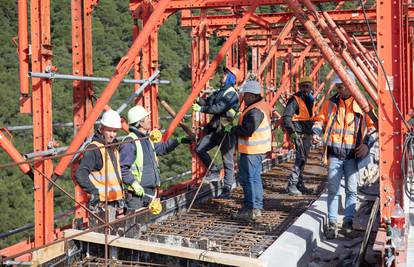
pixel 337 169
pixel 250 167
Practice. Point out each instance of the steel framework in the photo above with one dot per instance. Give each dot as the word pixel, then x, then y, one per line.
pixel 375 42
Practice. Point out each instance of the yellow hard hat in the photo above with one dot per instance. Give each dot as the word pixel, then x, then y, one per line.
pixel 305 79
pixel 155 206
pixel 155 135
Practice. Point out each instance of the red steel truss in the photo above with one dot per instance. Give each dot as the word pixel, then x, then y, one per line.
pixel 299 40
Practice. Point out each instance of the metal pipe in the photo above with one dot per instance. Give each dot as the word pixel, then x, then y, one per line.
pixel 137 92
pixel 121 70
pixel 330 56
pixel 320 87
pixel 13 263
pixel 11 150
pixel 52 76
pixel 23 47
pixel 209 72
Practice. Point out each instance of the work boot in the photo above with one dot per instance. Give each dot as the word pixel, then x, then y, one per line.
pixel 213 175
pixel 331 231
pixel 257 213
pixel 244 214
pixel 293 190
pixel 303 189
pixel 347 228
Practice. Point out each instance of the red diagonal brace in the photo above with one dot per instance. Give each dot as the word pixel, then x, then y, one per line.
pixel 121 70
pixel 209 72
pixel 286 30
pixel 330 56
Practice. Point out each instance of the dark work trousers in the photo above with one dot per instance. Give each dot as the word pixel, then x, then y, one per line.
pixel 303 143
pixel 212 140
pixel 133 203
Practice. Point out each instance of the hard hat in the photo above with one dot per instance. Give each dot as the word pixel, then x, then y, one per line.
pixel 252 87
pixel 305 79
pixel 155 206
pixel 237 73
pixel 338 80
pixel 136 114
pixel 111 119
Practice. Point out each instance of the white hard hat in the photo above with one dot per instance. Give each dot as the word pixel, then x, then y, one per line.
pixel 136 114
pixel 111 119
pixel 252 87
pixel 338 80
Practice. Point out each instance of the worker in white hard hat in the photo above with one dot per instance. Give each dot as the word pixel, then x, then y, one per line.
pixel 348 133
pixel 139 163
pixel 101 162
pixel 254 141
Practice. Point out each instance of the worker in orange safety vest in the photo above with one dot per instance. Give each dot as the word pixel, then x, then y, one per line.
pixel 297 121
pixel 349 133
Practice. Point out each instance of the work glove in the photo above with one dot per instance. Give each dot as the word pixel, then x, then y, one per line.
pixel 93 202
pixel 155 206
pixel 316 139
pixel 293 138
pixel 138 189
pixel 184 140
pixel 196 107
pixel 228 128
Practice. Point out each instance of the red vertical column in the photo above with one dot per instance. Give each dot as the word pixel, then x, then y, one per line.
pixel 81 65
pixel 389 25
pixel 42 119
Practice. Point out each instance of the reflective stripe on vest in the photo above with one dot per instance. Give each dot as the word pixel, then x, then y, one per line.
pixel 343 134
pixel 138 165
pixel 108 172
pixel 303 111
pixel 261 140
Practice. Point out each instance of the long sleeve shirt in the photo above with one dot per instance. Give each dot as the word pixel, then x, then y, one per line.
pixel 150 174
pixel 291 109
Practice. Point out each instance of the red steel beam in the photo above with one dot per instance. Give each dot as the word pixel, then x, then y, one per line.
pixel 121 70
pixel 322 85
pixel 23 51
pixel 330 56
pixel 209 72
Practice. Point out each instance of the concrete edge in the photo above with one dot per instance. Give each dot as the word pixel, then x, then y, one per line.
pixel 294 247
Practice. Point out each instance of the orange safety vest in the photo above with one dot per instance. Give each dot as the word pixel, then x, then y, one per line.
pixel 108 171
pixel 303 111
pixel 261 140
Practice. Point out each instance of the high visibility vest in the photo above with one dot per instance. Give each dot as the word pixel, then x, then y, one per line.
pixel 109 172
pixel 261 140
pixel 138 165
pixel 303 111
pixel 232 113
pixel 344 129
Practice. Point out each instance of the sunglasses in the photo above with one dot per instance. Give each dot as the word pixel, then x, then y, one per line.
pixel 306 85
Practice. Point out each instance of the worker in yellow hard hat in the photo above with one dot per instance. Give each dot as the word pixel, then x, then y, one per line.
pixel 223 105
pixel 139 162
pixel 297 122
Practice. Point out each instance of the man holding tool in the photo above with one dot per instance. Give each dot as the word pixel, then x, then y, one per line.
pixel 297 121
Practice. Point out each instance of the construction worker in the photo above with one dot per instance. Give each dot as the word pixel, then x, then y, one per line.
pixel 254 140
pixel 297 121
pixel 100 163
pixel 348 135
pixel 139 163
pixel 224 106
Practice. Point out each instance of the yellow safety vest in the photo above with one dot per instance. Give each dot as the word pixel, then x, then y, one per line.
pixel 261 140
pixel 111 173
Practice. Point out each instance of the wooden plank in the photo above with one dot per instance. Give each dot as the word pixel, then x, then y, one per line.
pixel 164 249
pixel 48 253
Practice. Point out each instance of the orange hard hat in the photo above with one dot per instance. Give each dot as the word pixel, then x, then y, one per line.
pixel 237 73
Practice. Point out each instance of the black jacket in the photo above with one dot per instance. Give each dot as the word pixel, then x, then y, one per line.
pixel 292 108
pixel 250 123
pixel 92 161
pixel 218 104
pixel 151 174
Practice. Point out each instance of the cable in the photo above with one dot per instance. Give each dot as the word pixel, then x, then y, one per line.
pixel 408 150
pixel 382 66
